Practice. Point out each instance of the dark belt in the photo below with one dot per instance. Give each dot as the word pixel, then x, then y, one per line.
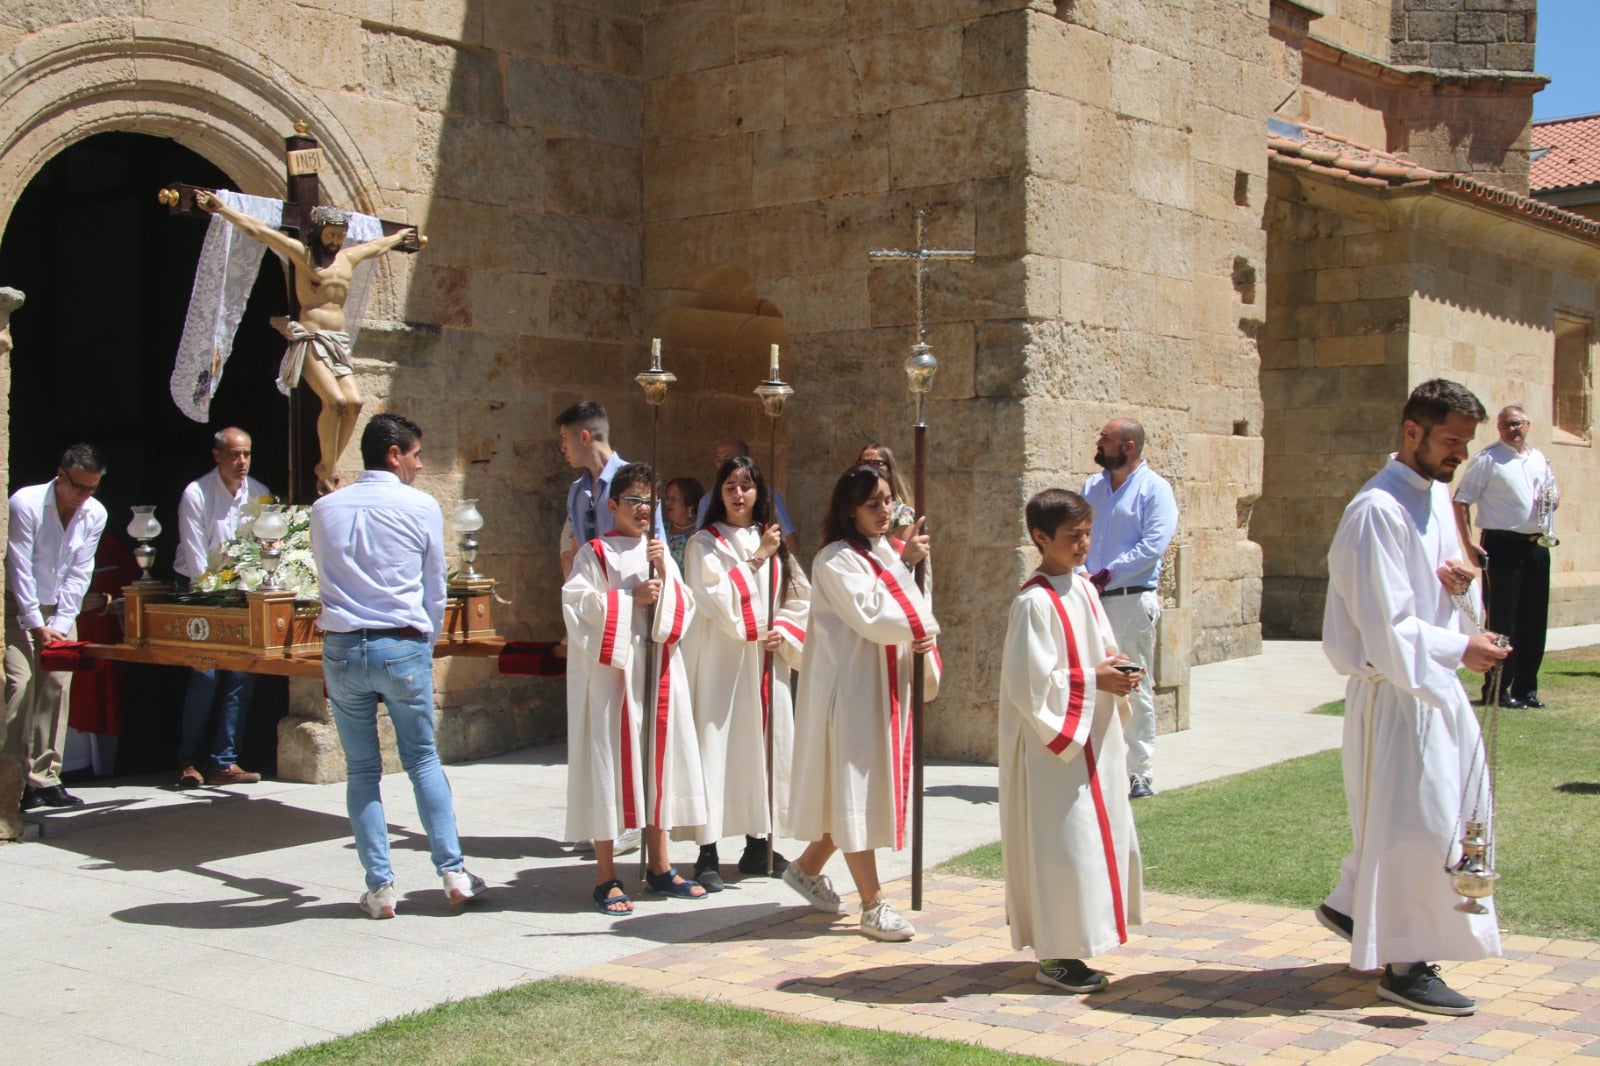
pixel 1512 533
pixel 1127 591
pixel 403 632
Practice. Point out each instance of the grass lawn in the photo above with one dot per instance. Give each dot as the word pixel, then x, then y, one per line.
pixel 568 1021
pixel 1276 835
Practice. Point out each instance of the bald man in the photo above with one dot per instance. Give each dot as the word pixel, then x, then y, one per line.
pixel 1505 482
pixel 1135 517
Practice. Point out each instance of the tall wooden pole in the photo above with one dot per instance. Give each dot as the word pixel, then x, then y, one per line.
pixel 655 383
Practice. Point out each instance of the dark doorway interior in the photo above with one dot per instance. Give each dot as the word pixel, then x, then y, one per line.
pixel 107 274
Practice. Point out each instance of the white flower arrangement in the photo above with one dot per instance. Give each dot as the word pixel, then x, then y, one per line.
pixel 237 564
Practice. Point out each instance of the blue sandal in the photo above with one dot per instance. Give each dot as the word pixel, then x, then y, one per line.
pixel 604 901
pixel 668 884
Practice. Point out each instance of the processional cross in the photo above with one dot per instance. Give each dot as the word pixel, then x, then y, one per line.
pixel 304 218
pixel 920 368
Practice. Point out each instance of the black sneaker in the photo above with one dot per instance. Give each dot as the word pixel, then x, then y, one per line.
pixel 1070 975
pixel 705 872
pixel 753 863
pixel 1420 989
pixel 1338 924
pixel 1139 787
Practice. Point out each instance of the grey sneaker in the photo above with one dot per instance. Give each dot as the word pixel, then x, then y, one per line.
pixel 628 842
pixel 817 891
pixel 1420 989
pixel 379 904
pixel 1070 975
pixel 881 921
pixel 463 886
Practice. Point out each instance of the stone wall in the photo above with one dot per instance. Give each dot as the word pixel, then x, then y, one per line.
pixel 1475 35
pixel 1371 294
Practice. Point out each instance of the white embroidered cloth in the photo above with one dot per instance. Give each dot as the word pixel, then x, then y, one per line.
pixel 229 262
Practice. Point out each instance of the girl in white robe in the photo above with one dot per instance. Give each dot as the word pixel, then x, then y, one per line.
pixel 739 664
pixel 1074 879
pixel 606 604
pixel 852 748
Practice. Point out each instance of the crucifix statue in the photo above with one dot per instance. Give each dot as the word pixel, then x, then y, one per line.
pixel 920 368
pixel 311 240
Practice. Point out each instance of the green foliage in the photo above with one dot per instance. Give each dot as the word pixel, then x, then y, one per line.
pixel 569 1021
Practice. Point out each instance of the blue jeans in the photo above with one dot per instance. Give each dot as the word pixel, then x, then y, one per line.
pixel 359 671
pixel 237 688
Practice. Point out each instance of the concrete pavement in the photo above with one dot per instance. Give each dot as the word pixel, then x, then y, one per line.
pixel 219 925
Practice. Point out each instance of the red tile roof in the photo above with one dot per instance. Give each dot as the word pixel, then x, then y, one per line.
pixel 1318 151
pixel 1573 159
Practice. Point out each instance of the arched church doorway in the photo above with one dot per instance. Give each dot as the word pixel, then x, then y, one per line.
pixel 107 273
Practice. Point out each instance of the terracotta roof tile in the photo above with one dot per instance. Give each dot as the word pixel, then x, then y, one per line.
pixel 1573 158
pixel 1333 156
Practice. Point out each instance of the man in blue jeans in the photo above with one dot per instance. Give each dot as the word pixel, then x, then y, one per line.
pixel 379 547
pixel 208 517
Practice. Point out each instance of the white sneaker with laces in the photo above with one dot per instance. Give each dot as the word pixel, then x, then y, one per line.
pixel 463 886
pixel 379 904
pixel 628 842
pixel 881 921
pixel 817 891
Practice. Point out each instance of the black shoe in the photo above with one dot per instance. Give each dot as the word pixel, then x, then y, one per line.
pixel 56 796
pixel 1512 703
pixel 1139 787
pixel 29 800
pixel 705 872
pixel 1338 924
pixel 1532 700
pixel 1421 989
pixel 1070 975
pixel 753 863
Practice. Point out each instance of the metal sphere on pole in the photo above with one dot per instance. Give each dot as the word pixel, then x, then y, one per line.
pixel 655 383
pixel 774 394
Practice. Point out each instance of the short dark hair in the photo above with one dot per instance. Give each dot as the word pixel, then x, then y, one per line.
pixel 585 414
pixel 854 488
pixel 384 431
pixel 1437 399
pixel 691 490
pixel 85 457
pixel 1050 509
pixel 629 475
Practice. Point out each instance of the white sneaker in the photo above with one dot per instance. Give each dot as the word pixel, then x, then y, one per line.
pixel 817 891
pixel 628 842
pixel 379 904
pixel 463 886
pixel 882 922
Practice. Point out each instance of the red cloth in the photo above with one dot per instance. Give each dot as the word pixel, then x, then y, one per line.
pixel 66 655
pixel 99 690
pixel 532 659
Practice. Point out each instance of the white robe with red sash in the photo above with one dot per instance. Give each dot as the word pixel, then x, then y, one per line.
pixel 1074 879
pixel 606 696
pixel 732 695
pixel 852 745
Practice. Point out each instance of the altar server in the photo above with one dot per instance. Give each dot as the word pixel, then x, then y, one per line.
pixel 735 567
pixel 1413 754
pixel 852 749
pixel 1074 881
pixel 606 602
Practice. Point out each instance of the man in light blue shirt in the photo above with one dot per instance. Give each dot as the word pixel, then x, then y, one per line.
pixel 379 547
pixel 585 438
pixel 1135 517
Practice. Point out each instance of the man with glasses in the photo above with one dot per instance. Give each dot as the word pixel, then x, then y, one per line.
pixel 55 529
pixel 1508 482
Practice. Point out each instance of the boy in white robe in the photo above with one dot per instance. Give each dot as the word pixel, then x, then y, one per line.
pixel 852 747
pixel 606 603
pixel 1413 753
pixel 1074 880
pixel 739 666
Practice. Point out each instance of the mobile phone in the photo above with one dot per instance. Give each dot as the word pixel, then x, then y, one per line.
pixel 1128 668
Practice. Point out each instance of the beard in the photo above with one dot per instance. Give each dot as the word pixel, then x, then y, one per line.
pixel 1110 462
pixel 1436 469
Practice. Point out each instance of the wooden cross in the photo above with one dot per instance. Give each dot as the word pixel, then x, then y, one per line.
pixel 302 162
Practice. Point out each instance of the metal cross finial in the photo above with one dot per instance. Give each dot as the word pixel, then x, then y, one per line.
pixel 922 257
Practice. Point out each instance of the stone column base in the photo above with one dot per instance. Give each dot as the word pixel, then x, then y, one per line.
pixel 308 742
pixel 11 782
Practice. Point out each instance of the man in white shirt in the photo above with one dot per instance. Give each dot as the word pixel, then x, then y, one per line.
pixel 208 517
pixel 1414 768
pixel 379 547
pixel 1135 517
pixel 55 529
pixel 1505 481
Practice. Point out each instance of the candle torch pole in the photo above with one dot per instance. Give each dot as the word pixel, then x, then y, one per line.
pixel 774 393
pixel 655 383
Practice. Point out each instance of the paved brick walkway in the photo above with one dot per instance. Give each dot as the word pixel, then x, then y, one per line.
pixel 1200 981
